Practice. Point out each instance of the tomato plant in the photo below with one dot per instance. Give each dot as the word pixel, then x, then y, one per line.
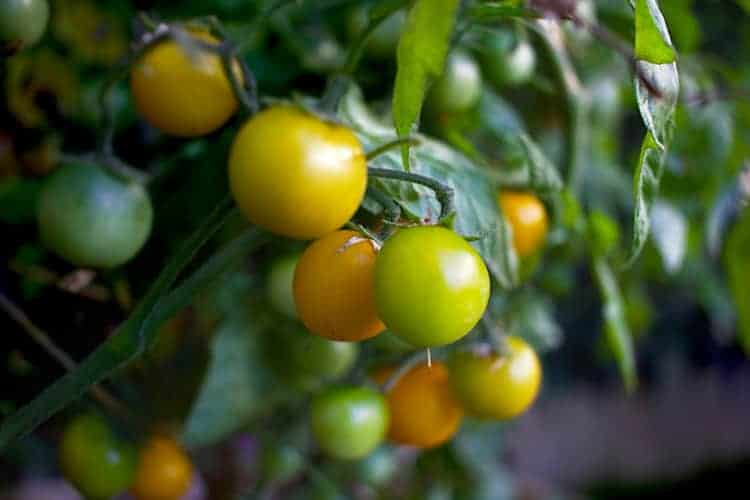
pixel 497 386
pixel 90 218
pixel 313 164
pixel 333 287
pixel 94 459
pixel 164 471
pixel 349 422
pixel 431 286
pixel 22 23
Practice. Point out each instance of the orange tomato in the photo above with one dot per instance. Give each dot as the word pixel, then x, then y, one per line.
pixel 164 471
pixel 528 219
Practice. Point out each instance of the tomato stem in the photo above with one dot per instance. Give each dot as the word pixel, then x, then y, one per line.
pixel 404 368
pixel 412 141
pixel 444 193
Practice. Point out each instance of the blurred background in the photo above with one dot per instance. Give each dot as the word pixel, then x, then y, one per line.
pixel 685 429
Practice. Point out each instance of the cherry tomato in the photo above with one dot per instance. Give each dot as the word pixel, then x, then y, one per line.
pixel 528 219
pixel 333 287
pixel 92 219
pixel 296 175
pixel 460 86
pixel 164 471
pixel 508 60
pixel 279 285
pixel 495 386
pixel 181 93
pixel 424 411
pixel 431 286
pixel 22 23
pixel 349 422
pixel 94 460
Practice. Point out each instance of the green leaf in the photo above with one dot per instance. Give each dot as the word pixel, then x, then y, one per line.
pixel 136 334
pixel 18 200
pixel 234 390
pixel 652 41
pixel 657 111
pixel 476 197
pixel 420 57
pixel 737 264
pixel 619 339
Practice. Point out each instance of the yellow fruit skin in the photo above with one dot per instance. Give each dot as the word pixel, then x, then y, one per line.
pixel 528 219
pixel 296 175
pixel 424 411
pixel 183 94
pixel 494 386
pixel 164 471
pixel 333 290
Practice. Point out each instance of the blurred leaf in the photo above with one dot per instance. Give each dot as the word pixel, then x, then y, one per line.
pixel 138 333
pixel 616 328
pixel 489 478
pixel 18 200
pixel 722 214
pixel 669 230
pixel 421 56
pixel 525 164
pixel 533 319
pixel 737 264
pixel 652 41
pixel 476 198
pixel 234 389
pixel 604 233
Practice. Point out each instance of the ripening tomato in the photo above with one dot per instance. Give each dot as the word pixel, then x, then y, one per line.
pixel 92 219
pixel 183 93
pixel 22 23
pixel 94 459
pixel 424 411
pixel 164 471
pixel 279 285
pixel 431 286
pixel 496 386
pixel 333 287
pixel 459 88
pixel 296 175
pixel 349 422
pixel 528 219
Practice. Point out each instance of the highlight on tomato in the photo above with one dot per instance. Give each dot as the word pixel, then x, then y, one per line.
pixel 527 217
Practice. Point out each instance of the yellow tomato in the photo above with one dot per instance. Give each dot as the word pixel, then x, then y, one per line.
pixel 494 386
pixel 424 411
pixel 296 175
pixel 333 289
pixel 528 219
pixel 181 93
pixel 164 471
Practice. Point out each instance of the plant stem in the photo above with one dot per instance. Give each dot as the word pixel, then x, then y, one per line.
pixel 444 193
pixel 412 141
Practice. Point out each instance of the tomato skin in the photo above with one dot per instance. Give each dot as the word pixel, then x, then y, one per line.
pixel 349 422
pixel 183 94
pixel 296 175
pixel 164 472
pixel 424 411
pixel 459 88
pixel 431 286
pixel 494 386
pixel 279 285
pixel 22 23
pixel 528 219
pixel 91 219
pixel 333 288
pixel 94 460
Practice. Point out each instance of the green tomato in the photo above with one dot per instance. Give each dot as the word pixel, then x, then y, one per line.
pixel 279 285
pixel 431 286
pixel 382 42
pixel 459 88
pixel 508 61
pixel 349 422
pixel 94 460
pixel 92 219
pixel 22 23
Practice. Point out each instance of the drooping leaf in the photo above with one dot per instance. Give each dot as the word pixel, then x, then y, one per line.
pixel 139 332
pixel 652 41
pixel 657 111
pixel 476 199
pixel 616 329
pixel 420 57
pixel 669 230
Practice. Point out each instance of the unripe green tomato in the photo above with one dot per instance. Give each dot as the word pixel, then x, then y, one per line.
pixel 322 357
pixel 459 88
pixel 22 23
pixel 94 460
pixel 91 219
pixel 508 62
pixel 279 285
pixel 383 42
pixel 431 286
pixel 349 422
